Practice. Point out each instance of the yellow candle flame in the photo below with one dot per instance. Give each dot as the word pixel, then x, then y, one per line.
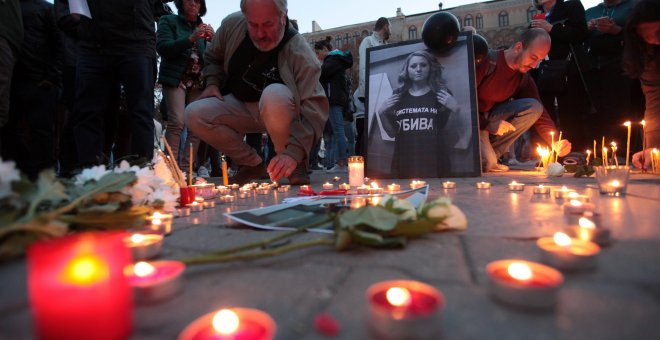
pixel 573 195
pixel 575 203
pixel 143 269
pixel 137 238
pixel 157 221
pixel 157 215
pixel 226 322
pixel 643 122
pixel 562 239
pixel 520 271
pixel 85 270
pixel 627 124
pixel 514 183
pixel 398 296
pixel 374 185
pixel 586 223
pixel 615 183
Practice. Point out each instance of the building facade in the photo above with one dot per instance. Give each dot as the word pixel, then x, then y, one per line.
pixel 499 21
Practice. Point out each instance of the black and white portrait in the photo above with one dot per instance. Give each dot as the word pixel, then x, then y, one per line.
pixel 421 111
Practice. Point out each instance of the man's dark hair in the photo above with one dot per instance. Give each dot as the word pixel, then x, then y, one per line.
pixel 380 23
pixel 532 34
pixel 202 7
pixel 321 44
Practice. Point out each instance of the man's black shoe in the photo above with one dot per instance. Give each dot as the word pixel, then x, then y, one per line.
pixel 246 174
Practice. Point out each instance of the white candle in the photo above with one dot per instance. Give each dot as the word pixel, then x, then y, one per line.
pixel 356 171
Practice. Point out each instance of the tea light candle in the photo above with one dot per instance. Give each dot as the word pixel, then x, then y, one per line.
pixel 356 171
pixel 328 186
pixel 223 190
pixel 562 193
pixel 209 204
pixel 263 191
pixel 183 212
pixel 282 189
pixel 483 185
pixel 392 188
pixel 233 323
pixel 199 199
pixel 404 309
pixel 578 197
pixel 417 184
pixel 155 281
pixel 227 199
pixel 243 195
pixel 523 283
pixel 162 223
pixel 362 190
pixel 574 218
pixel 541 190
pixel 575 206
pixel 449 185
pixel 515 186
pixel 77 286
pixel 144 246
pixel 234 186
pixel 587 230
pixel 305 188
pixel 374 189
pixel 345 186
pixel 196 207
pixel 564 252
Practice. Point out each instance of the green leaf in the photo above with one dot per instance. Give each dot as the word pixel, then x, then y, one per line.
pixel 48 188
pixel 414 228
pixel 375 217
pixel 366 238
pixel 110 182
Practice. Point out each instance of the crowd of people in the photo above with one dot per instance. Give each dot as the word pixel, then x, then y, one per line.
pixel 76 88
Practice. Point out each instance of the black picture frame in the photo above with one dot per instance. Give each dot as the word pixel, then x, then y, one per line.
pixel 454 151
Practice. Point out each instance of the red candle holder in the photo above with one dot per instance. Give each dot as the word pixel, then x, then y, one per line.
pixel 536 288
pixel 78 289
pixel 155 281
pixel 231 324
pixel 187 196
pixel 402 309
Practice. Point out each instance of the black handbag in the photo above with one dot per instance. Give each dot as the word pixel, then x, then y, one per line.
pixel 553 75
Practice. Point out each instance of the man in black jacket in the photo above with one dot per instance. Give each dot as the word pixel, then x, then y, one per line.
pixel 117 45
pixel 29 135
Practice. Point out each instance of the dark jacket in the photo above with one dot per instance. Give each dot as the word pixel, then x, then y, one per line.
pixel 174 47
pixel 41 54
pixel 569 27
pixel 11 24
pixel 604 48
pixel 333 77
pixel 117 27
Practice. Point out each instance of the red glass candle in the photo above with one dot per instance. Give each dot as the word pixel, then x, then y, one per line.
pixel 78 289
pixel 234 324
pixel 523 283
pixel 155 281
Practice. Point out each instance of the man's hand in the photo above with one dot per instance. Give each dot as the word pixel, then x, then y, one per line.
pixel 607 25
pixel 543 24
pixel 637 159
pixel 281 166
pixel 563 147
pixel 500 127
pixel 211 91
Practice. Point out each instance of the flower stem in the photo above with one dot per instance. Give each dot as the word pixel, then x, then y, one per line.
pixel 255 255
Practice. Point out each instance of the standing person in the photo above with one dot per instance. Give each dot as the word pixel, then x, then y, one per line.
pixel 333 78
pixel 116 45
pixel 566 24
pixel 30 133
pixel 11 38
pixel 607 81
pixel 641 59
pixel 269 78
pixel 181 42
pixel 415 117
pixel 509 103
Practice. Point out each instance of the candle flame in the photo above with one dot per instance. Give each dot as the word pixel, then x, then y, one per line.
pixel 615 183
pixel 226 322
pixel 627 124
pixel 157 221
pixel 514 182
pixel 643 122
pixel 588 152
pixel 562 239
pixel 85 270
pixel 137 238
pixel 520 271
pixel 143 269
pixel 586 223
pixel 398 296
pixel 575 203
pixel 573 195
pixel 374 185
pixel 540 186
pixel 157 215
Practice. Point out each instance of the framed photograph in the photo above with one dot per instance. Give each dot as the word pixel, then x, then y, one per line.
pixel 421 111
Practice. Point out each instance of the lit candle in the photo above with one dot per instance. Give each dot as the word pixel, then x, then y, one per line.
pixel 345 186
pixel 155 281
pixel 199 199
pixel 243 195
pixel 415 184
pixel 374 189
pixel 231 324
pixel 263 191
pixel 328 186
pixel 227 199
pixel 362 190
pixel 196 207
pixel 523 283
pixel 614 148
pixel 605 161
pixel 588 156
pixel 204 190
pixel 576 206
pixel 356 171
pixel 405 309
pixel 612 181
pixel 587 230
pixel 564 252
pixel 541 190
pixel 575 196
pixel 305 188
pixel 77 286
pixel 629 126
pixel 483 185
pixel 392 188
pixel 234 186
pixel 563 192
pixel 209 204
pixel 574 218
pixel 515 186
pixel 283 189
pixel 144 246
pixel 160 222
pixel 183 211
pixel 186 195
pixel 449 185
pixel 223 190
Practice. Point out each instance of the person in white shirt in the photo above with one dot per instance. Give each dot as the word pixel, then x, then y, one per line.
pixel 379 37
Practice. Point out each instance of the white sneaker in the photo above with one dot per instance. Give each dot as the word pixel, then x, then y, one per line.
pixel 203 172
pixel 337 169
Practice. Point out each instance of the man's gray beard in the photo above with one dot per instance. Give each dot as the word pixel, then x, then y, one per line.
pixel 278 41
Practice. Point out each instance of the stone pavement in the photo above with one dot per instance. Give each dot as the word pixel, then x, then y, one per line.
pixel 620 299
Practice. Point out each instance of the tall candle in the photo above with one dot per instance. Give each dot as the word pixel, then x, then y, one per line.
pixel 225 177
pixel 629 126
pixel 78 289
pixel 356 171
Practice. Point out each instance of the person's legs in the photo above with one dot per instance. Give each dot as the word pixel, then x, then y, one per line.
pixel 349 129
pixel 7 61
pixel 521 113
pixel 175 98
pixel 277 110
pixel 337 123
pixel 137 75
pixel 488 155
pixel 190 96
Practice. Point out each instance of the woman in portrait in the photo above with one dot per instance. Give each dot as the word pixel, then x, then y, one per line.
pixel 415 116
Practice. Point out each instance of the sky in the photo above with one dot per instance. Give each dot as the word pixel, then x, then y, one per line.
pixel 335 13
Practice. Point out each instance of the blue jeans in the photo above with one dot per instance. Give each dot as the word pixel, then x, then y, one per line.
pixel 96 77
pixel 339 136
pixel 349 128
pixel 521 113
